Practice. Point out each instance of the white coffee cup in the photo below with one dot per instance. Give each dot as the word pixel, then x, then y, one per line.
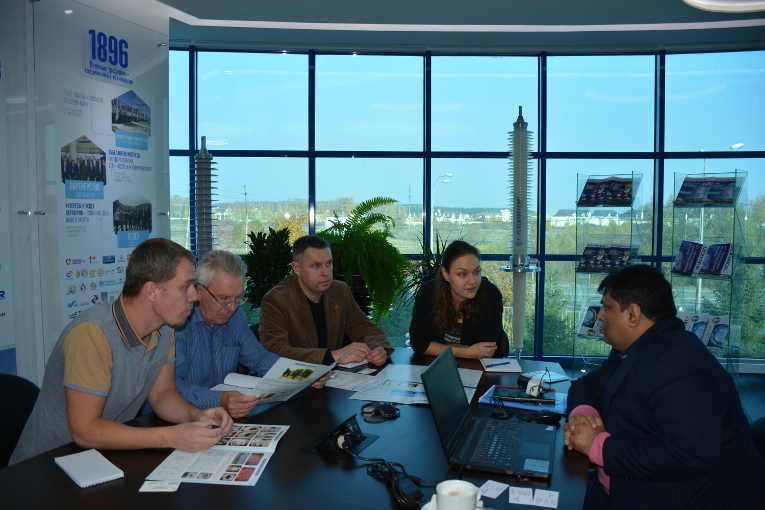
pixel 457 495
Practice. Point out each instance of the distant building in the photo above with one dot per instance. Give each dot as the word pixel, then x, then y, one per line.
pixel 603 217
pixel 562 218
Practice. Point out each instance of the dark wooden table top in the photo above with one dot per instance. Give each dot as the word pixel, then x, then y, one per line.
pixel 294 478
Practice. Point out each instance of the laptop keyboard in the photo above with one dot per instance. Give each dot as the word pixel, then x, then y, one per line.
pixel 497 444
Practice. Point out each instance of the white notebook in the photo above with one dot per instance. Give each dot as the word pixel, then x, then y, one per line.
pixel 501 365
pixel 89 468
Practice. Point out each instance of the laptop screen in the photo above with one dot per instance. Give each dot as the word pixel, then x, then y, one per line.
pixel 446 396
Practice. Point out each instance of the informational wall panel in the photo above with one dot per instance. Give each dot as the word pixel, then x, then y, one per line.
pixel 101 85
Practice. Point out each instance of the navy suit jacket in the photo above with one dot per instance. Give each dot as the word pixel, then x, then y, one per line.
pixel 679 437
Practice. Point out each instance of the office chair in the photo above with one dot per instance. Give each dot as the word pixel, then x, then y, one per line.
pixel 18 398
pixel 758 432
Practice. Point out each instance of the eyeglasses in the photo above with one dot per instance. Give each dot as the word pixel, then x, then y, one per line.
pixel 228 302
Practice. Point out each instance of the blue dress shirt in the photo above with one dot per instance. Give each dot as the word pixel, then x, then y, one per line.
pixel 204 356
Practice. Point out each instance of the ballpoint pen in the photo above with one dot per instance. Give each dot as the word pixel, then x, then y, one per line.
pixel 211 426
pixel 344 355
pixel 499 364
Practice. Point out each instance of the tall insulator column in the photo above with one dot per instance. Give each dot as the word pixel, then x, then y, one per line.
pixel 203 176
pixel 519 184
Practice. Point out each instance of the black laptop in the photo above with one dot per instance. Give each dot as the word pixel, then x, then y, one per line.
pixel 486 444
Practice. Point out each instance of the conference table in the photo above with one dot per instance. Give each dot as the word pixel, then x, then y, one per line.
pixel 294 478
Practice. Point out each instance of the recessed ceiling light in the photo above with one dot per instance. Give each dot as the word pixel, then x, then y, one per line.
pixel 727 5
pixel 68 11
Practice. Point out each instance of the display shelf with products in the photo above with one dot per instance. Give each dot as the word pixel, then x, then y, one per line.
pixel 609 233
pixel 708 242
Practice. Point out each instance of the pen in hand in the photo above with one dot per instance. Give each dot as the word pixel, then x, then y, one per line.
pixel 211 426
pixel 344 355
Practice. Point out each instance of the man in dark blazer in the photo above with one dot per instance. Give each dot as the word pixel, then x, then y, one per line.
pixel 661 419
pixel 308 315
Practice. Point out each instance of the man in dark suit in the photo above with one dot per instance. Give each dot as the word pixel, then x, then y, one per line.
pixel 69 168
pixel 307 315
pixel 661 419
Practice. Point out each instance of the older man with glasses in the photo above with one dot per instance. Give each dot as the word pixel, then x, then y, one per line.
pixel 217 337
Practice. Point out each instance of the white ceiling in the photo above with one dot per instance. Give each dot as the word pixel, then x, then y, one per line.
pixel 504 26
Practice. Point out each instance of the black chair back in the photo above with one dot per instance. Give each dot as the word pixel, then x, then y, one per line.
pixel 254 328
pixel 758 432
pixel 18 396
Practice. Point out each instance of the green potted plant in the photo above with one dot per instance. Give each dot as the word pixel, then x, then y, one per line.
pixel 362 252
pixel 268 262
pixel 423 270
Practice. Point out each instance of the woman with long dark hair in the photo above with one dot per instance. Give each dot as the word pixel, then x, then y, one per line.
pixel 459 309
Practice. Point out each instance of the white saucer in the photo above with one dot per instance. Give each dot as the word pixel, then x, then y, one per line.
pixel 431 505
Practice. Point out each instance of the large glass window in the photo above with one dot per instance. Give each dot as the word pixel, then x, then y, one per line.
pixel 369 103
pixel 475 101
pixel 715 100
pixel 600 103
pixel 180 223
pixel 369 132
pixel 253 100
pixel 565 178
pixel 343 183
pixel 559 311
pixel 255 194
pixel 179 99
pixel 470 202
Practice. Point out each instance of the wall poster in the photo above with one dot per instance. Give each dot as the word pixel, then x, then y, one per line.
pixel 105 145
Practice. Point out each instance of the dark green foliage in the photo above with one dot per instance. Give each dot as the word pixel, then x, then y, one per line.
pixel 268 262
pixel 359 247
pixel 423 270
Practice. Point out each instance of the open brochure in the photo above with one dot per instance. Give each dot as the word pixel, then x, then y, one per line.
pixel 591 326
pixel 714 260
pixel 286 378
pixel 239 458
pixel 402 384
pixel 712 330
pixel 708 191
pixel 605 257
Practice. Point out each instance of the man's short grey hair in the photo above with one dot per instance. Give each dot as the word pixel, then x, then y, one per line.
pixel 219 260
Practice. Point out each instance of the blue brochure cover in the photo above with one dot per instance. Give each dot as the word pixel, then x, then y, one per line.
pixel 693 191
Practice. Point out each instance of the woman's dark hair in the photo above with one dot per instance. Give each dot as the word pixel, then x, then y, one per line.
pixel 643 285
pixel 444 314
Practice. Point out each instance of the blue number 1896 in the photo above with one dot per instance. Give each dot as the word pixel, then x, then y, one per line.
pixel 108 49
